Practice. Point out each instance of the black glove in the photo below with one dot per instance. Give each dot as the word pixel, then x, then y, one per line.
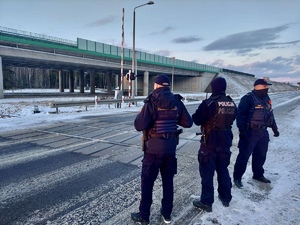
pixel 276 133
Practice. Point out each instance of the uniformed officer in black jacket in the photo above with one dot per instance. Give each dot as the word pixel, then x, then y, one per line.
pixel 159 119
pixel 215 115
pixel 254 116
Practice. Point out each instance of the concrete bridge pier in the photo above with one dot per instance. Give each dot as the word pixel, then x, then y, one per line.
pixel 71 81
pixel 61 81
pixel 92 81
pixel 1 79
pixel 118 81
pixel 146 84
pixel 109 81
pixel 81 81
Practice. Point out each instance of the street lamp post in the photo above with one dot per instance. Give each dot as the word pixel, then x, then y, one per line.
pixel 136 77
pixel 133 41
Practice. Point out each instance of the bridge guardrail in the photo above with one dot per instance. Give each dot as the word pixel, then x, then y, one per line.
pixel 87 103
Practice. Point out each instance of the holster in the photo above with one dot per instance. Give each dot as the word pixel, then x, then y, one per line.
pixel 178 132
pixel 144 140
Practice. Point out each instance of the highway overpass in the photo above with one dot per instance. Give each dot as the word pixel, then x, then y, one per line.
pixel 26 49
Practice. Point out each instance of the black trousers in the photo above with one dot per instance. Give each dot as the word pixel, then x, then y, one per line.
pixel 211 160
pixel 166 164
pixel 256 144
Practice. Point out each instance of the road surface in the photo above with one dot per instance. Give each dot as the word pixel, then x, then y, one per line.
pixel 88 171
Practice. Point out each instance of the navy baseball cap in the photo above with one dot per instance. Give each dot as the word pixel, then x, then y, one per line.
pixel 162 80
pixel 261 81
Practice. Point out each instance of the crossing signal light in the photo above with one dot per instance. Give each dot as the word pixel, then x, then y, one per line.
pixel 132 76
pixel 128 75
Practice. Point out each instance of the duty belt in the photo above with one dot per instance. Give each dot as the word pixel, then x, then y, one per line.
pixel 164 135
pixel 258 127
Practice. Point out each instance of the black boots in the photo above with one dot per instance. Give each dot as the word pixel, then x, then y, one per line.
pixel 261 179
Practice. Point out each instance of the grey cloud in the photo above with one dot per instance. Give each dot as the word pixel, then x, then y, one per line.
pixel 277 67
pixel 248 41
pixel 273 66
pixel 186 40
pixel 284 43
pixel 274 69
pixel 101 22
pixel 218 63
pixel 280 59
pixel 297 60
pixel 163 31
pixel 243 52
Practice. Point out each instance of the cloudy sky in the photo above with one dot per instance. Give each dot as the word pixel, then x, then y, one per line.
pixel 261 37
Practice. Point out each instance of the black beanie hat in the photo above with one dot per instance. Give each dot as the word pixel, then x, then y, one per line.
pixel 162 80
pixel 218 85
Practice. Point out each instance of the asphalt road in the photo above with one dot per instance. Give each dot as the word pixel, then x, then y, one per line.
pixel 88 171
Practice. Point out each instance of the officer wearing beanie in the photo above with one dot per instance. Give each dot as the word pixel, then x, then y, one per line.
pixel 159 119
pixel 215 115
pixel 254 116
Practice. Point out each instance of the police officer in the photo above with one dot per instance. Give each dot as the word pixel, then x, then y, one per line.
pixel 215 115
pixel 159 119
pixel 254 116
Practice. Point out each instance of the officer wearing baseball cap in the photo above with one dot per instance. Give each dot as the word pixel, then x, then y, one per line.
pixel 254 116
pixel 159 119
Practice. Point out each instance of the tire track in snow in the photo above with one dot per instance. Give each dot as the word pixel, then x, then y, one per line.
pixel 21 157
pixel 34 184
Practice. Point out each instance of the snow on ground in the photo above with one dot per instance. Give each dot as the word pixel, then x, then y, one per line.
pixel 267 204
pixel 18 113
pixel 257 203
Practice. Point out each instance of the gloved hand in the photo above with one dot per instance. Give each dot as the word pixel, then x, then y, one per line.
pixel 276 133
